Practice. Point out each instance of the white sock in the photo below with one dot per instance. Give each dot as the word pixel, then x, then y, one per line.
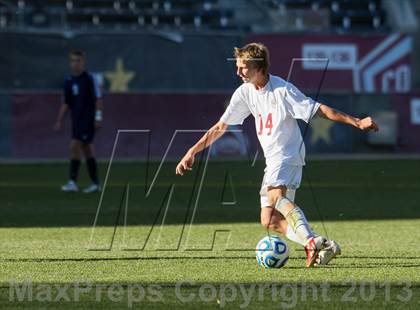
pixel 296 219
pixel 290 234
pixel 303 232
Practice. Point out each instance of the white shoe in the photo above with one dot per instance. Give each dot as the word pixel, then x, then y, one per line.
pixel 71 186
pixel 331 250
pixel 93 188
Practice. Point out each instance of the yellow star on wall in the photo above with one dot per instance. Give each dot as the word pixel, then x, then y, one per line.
pixel 321 130
pixel 119 78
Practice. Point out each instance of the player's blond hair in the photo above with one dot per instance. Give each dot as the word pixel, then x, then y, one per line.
pixel 254 55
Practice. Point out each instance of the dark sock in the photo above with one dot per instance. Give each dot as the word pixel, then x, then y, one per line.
pixel 74 169
pixel 92 169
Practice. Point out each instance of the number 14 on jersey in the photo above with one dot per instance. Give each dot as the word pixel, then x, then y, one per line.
pixel 268 125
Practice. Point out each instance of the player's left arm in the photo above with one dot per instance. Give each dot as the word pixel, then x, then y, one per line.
pixel 99 104
pixel 365 124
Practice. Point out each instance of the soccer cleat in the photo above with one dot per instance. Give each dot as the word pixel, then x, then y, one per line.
pixel 331 250
pixel 71 186
pixel 93 188
pixel 312 248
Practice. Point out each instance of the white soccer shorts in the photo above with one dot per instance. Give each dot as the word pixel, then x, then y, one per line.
pixel 287 175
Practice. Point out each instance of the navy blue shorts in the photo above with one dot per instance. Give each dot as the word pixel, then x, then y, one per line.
pixel 85 136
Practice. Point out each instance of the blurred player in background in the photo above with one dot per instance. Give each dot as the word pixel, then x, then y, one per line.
pixel 83 98
pixel 275 105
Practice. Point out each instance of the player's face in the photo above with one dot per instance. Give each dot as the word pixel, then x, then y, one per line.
pixel 77 64
pixel 244 72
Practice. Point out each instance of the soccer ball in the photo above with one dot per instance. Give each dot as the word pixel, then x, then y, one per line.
pixel 272 252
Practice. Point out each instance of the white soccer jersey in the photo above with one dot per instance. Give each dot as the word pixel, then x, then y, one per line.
pixel 275 109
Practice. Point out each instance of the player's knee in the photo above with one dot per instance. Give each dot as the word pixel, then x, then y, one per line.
pixel 273 200
pixel 275 194
pixel 75 149
pixel 266 214
pixel 87 150
pixel 265 222
pixel 268 221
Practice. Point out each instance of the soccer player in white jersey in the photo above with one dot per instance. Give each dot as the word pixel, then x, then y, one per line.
pixel 275 105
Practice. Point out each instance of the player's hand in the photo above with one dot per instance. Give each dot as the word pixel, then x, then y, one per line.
pixel 58 125
pixel 98 125
pixel 367 124
pixel 186 163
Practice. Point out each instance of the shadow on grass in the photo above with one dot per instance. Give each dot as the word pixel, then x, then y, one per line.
pixel 250 257
pixel 331 191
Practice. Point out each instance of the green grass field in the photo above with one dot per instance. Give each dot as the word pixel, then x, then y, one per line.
pixel 190 242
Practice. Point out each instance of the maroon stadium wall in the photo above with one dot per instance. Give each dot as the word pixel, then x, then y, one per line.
pixel 155 117
pixel 373 63
pixel 158 116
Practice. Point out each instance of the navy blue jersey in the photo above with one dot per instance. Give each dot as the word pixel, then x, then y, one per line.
pixel 80 94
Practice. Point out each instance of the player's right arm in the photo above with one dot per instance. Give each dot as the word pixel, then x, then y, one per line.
pixel 64 106
pixel 61 114
pixel 207 139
